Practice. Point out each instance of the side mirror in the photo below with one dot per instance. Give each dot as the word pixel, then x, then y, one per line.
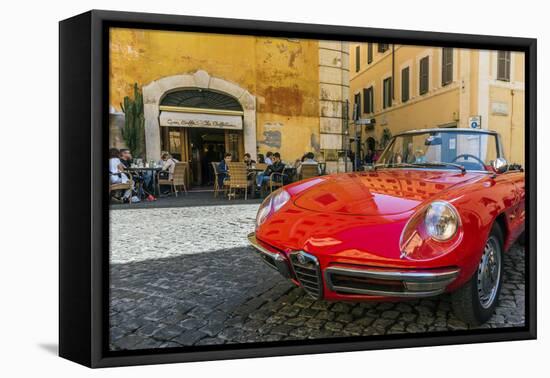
pixel 500 165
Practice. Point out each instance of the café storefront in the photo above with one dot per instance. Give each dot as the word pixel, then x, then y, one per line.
pixel 198 123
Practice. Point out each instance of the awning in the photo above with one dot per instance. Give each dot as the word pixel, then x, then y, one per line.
pixel 180 119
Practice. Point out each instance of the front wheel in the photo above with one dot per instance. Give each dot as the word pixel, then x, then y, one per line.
pixel 475 302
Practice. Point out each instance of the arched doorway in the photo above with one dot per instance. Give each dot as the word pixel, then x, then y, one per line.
pixel 371 144
pixel 194 101
pixel 199 126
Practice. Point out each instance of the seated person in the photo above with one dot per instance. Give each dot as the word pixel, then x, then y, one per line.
pixel 117 175
pixel 168 164
pixel 248 160
pixel 419 156
pixel 276 167
pixel 116 168
pixel 308 159
pixel 223 168
pixel 268 158
pixel 145 178
pixel 261 159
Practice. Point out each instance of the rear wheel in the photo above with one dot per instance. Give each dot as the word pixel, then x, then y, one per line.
pixel 475 302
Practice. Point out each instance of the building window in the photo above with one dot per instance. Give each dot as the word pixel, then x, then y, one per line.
pixel 383 47
pixel 405 84
pixel 387 93
pixel 503 65
pixel 447 66
pixel 357 106
pixel 368 100
pixel 357 58
pixel 369 53
pixel 424 75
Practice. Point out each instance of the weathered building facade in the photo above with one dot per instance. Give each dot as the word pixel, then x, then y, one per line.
pixel 241 93
pixel 412 87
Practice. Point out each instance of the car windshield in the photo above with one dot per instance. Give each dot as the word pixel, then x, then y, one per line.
pixel 467 150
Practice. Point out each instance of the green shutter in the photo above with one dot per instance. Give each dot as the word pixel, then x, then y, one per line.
pixel 405 84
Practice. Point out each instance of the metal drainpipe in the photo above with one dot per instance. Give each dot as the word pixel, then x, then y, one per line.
pixel 393 72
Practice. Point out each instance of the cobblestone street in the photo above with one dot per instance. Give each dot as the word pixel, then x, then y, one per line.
pixel 172 285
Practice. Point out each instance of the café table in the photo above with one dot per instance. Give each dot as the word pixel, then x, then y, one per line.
pixel 153 170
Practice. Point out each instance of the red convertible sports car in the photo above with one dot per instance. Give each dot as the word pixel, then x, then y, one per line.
pixel 434 215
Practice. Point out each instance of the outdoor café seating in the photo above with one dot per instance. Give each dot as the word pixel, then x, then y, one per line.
pixel 122 186
pixel 239 179
pixel 177 180
pixel 309 171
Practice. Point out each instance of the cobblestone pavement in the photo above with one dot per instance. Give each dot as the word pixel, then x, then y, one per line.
pixel 180 289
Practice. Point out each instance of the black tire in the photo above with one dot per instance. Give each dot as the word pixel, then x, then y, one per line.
pixel 466 302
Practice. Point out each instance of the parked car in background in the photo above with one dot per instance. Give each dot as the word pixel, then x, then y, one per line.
pixel 435 215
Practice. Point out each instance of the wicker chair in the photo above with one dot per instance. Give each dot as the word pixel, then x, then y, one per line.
pixel 276 180
pixel 238 178
pixel 308 171
pixel 217 185
pixel 120 186
pixel 178 178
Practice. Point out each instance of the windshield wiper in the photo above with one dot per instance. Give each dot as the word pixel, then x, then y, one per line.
pixel 441 164
pixel 392 165
pixel 421 164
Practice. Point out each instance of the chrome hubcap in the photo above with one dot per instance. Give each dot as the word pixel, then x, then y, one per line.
pixel 488 273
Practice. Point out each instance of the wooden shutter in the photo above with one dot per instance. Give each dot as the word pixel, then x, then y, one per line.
pixel 367 100
pixel 369 53
pixel 447 66
pixel 405 84
pixel 357 58
pixel 424 75
pixel 357 104
pixel 387 93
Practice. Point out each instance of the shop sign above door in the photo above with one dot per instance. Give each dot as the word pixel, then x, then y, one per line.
pixel 196 120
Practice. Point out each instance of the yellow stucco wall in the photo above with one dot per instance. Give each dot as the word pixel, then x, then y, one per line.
pixel 474 91
pixel 283 75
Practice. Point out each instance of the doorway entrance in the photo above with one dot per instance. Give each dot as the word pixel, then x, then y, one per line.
pixel 200 147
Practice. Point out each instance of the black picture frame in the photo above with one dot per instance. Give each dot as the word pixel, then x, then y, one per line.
pixel 83 209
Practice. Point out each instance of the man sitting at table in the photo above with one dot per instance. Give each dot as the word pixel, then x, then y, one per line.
pixel 309 159
pixel 248 160
pixel 145 178
pixel 117 175
pixel 276 167
pixel 223 169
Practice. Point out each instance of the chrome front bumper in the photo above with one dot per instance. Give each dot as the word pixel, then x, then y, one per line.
pixel 389 282
pixel 273 259
pixel 345 280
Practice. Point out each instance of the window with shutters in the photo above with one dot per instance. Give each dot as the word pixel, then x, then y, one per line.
pixel 357 58
pixel 503 65
pixel 368 100
pixel 405 72
pixel 357 106
pixel 383 47
pixel 387 93
pixel 424 73
pixel 369 53
pixel 447 66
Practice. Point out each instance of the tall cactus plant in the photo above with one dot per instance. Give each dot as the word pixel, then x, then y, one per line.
pixel 133 132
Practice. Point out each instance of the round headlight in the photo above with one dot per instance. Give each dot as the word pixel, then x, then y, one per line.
pixel 441 220
pixel 279 199
pixel 263 211
pixel 272 203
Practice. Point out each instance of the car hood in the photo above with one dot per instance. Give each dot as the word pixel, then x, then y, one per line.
pixel 382 192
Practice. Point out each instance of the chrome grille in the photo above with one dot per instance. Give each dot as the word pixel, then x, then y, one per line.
pixel 308 273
